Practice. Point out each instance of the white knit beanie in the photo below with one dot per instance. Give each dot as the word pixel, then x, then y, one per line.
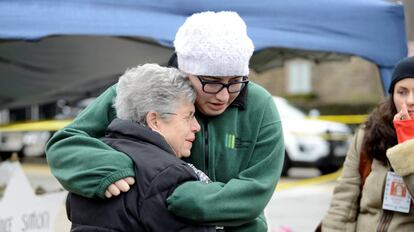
pixel 214 44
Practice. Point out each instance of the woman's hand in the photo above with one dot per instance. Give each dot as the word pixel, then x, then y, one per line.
pixel 403 114
pixel 119 186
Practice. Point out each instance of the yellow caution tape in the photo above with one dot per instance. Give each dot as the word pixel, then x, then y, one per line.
pixel 311 181
pixel 47 125
pixel 54 125
pixel 347 119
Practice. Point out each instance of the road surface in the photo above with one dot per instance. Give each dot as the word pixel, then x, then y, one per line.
pixel 298 204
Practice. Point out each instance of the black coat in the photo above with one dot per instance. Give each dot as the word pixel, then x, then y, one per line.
pixel 143 207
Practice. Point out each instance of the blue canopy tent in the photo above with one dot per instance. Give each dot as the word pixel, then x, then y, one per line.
pixel 371 29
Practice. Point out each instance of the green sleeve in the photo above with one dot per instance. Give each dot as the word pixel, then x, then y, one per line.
pixel 241 199
pixel 79 160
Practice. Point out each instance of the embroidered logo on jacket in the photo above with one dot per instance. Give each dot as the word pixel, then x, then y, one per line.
pixel 232 142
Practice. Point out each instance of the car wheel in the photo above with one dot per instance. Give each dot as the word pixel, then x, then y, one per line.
pixel 328 169
pixel 5 155
pixel 20 155
pixel 286 165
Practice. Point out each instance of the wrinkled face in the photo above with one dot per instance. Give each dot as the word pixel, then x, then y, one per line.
pixel 213 97
pixel 179 128
pixel 404 94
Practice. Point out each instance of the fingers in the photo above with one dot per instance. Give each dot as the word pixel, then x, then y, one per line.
pixel 119 186
pixel 398 116
pixel 403 114
pixel 112 190
pixel 122 185
pixel 404 110
pixel 108 194
pixel 130 180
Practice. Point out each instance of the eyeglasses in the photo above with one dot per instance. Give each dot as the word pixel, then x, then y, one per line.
pixel 188 118
pixel 213 87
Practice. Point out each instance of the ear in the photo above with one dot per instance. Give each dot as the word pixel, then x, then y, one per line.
pixel 151 119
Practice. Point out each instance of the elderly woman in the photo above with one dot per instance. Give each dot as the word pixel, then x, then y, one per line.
pixel 155 126
pixel 380 161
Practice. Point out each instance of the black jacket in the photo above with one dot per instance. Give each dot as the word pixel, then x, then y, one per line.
pixel 143 207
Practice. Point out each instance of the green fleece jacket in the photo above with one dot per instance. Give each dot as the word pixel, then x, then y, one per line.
pixel 241 150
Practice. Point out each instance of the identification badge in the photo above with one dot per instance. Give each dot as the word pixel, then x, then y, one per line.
pixel 396 195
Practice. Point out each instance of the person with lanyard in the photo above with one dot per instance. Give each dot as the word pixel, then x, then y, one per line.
pixel 239 146
pixel 374 191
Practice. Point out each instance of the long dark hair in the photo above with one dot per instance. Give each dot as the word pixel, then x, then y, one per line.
pixel 379 130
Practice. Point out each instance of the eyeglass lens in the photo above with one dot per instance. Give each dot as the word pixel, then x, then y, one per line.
pixel 214 87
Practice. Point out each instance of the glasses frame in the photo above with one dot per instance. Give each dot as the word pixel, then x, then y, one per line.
pixel 244 82
pixel 188 118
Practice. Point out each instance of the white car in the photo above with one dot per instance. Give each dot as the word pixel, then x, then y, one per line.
pixel 10 142
pixel 23 143
pixel 311 142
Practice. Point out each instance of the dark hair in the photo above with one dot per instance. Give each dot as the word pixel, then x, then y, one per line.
pixel 379 130
pixel 172 62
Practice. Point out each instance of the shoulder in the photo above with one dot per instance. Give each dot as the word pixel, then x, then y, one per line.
pixel 360 132
pixel 260 100
pixel 401 157
pixel 155 167
pixel 257 92
pixel 111 90
pixel 258 97
pixel 157 161
pixel 358 140
pixel 105 98
pixel 166 177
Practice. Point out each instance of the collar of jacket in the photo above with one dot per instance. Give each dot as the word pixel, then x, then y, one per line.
pixel 240 101
pixel 137 132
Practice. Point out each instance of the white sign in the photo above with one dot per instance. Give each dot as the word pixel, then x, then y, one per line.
pixel 21 209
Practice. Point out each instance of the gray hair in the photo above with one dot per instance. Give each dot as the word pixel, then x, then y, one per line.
pixel 150 87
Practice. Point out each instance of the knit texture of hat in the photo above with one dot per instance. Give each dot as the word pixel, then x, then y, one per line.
pixel 404 69
pixel 214 44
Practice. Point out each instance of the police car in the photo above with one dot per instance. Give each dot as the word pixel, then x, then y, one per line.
pixel 310 142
